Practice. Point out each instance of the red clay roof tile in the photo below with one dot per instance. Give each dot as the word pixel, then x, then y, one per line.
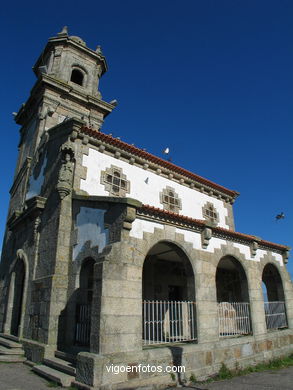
pixel 146 209
pixel 157 160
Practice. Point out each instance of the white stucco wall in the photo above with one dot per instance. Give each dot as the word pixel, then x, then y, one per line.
pixel 139 226
pixel 90 230
pixel 35 184
pixel 146 186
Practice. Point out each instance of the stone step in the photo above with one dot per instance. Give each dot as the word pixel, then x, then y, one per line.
pixel 61 365
pixel 10 337
pixel 10 351
pixel 9 343
pixel 54 375
pixel 12 359
pixel 66 356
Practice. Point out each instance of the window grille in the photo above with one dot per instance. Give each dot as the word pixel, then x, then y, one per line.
pixel 170 200
pixel 115 181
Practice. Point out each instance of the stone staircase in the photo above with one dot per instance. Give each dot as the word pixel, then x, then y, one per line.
pixel 11 351
pixel 59 369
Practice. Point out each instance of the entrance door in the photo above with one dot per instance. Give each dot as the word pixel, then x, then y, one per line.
pixel 17 298
pixel 84 303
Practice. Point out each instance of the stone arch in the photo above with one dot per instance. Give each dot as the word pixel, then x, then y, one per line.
pixel 167 252
pixel 231 280
pixel 168 292
pixel 78 75
pixel 272 279
pixel 233 298
pixel 88 253
pixel 17 294
pixel 274 297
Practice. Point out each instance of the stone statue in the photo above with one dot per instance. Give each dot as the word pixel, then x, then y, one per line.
pixel 65 174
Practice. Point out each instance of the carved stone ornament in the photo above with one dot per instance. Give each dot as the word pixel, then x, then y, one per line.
pixel 206 235
pixel 253 248
pixel 286 256
pixel 64 184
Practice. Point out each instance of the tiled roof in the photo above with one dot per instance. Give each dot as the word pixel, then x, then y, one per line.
pixel 156 160
pixel 150 210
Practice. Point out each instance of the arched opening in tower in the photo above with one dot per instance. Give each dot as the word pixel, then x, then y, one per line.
pixel 77 77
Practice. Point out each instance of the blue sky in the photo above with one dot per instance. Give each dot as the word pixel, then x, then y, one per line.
pixel 210 79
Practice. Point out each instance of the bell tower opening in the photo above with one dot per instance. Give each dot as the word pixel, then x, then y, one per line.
pixel 77 77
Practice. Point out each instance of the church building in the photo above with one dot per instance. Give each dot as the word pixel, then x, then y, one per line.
pixel 113 257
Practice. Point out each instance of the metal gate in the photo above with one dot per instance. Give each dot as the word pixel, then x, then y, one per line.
pixel 83 325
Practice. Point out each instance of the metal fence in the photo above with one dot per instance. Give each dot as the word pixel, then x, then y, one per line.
pixel 168 321
pixel 234 319
pixel 83 325
pixel 275 313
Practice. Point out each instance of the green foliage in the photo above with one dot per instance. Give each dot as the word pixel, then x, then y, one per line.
pixel 173 376
pixel 224 372
pixel 192 378
pixel 53 384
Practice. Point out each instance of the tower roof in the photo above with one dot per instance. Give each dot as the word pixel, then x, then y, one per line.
pixel 64 40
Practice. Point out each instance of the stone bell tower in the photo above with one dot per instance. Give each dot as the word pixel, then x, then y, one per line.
pixel 68 75
pixel 65 96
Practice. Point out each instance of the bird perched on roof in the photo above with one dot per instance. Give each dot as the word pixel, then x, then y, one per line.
pixel 280 216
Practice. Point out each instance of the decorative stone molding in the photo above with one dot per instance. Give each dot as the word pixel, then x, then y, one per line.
pixel 286 256
pixel 129 217
pixel 33 207
pixel 253 248
pixel 206 235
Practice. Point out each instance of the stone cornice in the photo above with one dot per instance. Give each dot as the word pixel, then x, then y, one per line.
pixel 162 216
pixel 79 195
pixel 145 160
pixel 34 207
pixel 25 167
pixel 70 41
pixel 64 89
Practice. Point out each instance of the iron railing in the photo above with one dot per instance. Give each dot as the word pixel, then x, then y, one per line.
pixel 234 319
pixel 83 325
pixel 168 322
pixel 275 313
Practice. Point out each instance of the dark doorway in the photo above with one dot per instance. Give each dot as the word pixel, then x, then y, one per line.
pixel 231 281
pixel 17 297
pixel 175 293
pixel 84 303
